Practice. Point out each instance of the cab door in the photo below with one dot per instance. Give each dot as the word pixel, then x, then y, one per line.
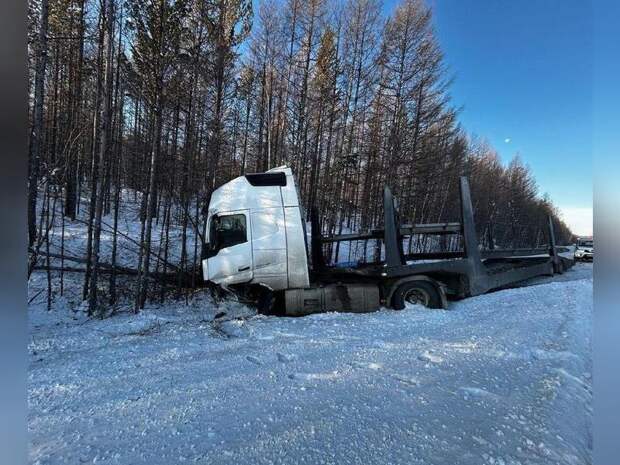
pixel 230 248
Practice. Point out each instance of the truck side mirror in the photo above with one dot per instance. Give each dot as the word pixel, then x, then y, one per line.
pixel 209 250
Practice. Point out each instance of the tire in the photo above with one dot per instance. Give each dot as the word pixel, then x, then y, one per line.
pixel 265 302
pixel 270 303
pixel 420 292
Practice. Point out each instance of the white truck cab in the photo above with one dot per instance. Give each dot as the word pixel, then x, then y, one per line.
pixel 256 233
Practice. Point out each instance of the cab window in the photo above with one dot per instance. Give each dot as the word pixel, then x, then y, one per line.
pixel 226 231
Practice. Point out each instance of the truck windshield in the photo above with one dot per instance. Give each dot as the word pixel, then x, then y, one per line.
pixel 585 243
pixel 226 231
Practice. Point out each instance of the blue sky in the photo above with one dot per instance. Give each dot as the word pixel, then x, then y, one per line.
pixel 523 72
pixel 539 78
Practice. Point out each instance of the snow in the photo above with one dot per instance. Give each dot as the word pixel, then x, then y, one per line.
pixel 129 227
pixel 503 378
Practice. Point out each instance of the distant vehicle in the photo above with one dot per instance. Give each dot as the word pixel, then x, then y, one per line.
pixel 584 250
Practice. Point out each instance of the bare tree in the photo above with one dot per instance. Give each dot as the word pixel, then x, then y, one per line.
pixel 36 135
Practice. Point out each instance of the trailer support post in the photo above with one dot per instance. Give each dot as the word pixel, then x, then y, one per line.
pixel 478 277
pixel 555 258
pixel 393 244
pixel 316 247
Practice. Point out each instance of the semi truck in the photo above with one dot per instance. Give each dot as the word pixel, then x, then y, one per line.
pixel 257 247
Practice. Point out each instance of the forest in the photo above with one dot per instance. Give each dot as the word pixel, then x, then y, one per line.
pixel 156 103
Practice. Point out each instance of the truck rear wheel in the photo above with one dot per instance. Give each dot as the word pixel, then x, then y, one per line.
pixel 416 292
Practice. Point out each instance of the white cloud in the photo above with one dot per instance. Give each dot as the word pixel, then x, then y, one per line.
pixel 578 219
pixel 507 140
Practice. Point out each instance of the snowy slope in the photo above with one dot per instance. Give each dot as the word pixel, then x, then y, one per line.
pixel 129 227
pixel 502 378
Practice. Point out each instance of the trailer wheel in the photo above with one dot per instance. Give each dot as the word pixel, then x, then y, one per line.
pixel 416 292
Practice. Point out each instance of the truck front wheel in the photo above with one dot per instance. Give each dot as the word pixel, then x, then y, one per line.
pixel 416 292
pixel 270 302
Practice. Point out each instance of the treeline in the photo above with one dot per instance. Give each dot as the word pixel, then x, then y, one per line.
pixel 172 98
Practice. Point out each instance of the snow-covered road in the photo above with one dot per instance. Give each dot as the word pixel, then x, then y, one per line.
pixel 503 378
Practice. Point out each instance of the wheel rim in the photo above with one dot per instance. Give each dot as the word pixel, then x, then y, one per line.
pixel 417 296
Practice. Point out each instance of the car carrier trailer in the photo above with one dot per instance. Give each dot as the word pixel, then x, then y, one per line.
pixel 257 248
